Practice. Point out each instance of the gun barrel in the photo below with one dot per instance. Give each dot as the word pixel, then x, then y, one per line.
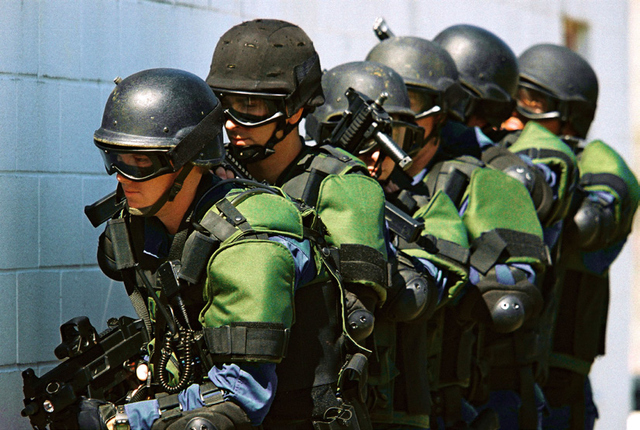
pixel 391 149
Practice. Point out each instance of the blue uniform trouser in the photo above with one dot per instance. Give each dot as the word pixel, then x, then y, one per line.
pixel 507 404
pixel 560 418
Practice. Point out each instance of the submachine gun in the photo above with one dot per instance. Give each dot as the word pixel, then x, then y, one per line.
pixel 364 121
pixel 100 366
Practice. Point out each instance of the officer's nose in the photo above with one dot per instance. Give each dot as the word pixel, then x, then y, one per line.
pixel 120 178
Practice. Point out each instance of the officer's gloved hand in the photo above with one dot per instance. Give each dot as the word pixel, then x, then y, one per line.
pixel 361 302
pixel 93 414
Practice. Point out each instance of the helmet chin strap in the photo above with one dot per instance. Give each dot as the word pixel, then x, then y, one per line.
pixel 253 153
pixel 168 196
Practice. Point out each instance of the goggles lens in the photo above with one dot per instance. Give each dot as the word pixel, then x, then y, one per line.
pixel 423 102
pixel 136 166
pixel 408 136
pixel 252 111
pixel 536 104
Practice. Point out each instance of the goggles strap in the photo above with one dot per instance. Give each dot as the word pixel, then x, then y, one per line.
pixel 254 153
pixel 167 196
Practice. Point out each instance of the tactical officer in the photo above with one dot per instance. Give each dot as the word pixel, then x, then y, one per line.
pixel 562 96
pixel 180 243
pixel 422 280
pixel 504 277
pixel 268 77
pixel 489 73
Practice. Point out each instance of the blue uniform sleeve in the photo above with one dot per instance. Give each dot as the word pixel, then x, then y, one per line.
pixel 252 386
pixel 440 276
pixel 301 253
pixel 505 274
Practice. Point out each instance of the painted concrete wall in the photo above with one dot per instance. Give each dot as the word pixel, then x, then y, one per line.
pixel 57 62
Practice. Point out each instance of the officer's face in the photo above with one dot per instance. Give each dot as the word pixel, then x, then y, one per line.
pixel 246 136
pixel 249 110
pixel 142 194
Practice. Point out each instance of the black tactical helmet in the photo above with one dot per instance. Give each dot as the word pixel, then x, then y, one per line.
pixel 425 67
pixel 268 57
pixel 371 79
pixel 272 60
pixel 566 78
pixel 170 117
pixel 488 70
pixel 156 110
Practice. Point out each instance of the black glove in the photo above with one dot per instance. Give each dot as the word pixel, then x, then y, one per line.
pixel 93 414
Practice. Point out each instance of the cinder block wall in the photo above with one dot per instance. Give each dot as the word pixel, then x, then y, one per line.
pixel 57 62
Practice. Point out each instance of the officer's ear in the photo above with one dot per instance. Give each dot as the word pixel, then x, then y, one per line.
pixel 295 118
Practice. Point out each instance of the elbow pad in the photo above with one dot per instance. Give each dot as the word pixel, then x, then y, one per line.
pixel 540 191
pixel 527 174
pixel 593 226
pixel 222 416
pixel 361 301
pixel 510 305
pixel 413 293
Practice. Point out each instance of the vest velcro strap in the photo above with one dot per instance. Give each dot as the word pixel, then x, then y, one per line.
pixel 196 255
pixel 233 215
pixel 498 245
pixel 167 402
pixel 217 226
pixel 445 248
pixel 564 361
pixel 247 341
pixel 612 181
pixel 344 158
pixel 122 252
pixel 210 394
pixel 362 263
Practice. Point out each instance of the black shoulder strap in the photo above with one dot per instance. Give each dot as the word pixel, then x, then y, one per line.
pixel 499 244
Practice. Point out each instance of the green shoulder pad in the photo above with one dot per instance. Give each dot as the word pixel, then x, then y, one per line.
pixel 544 147
pixel 497 201
pixel 249 281
pixel 603 169
pixel 268 213
pixel 599 158
pixel 441 221
pixel 351 207
pixel 502 222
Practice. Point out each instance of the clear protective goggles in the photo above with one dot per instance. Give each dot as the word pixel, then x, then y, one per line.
pixel 250 110
pixel 424 103
pixel 407 135
pixel 139 165
pixel 535 104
